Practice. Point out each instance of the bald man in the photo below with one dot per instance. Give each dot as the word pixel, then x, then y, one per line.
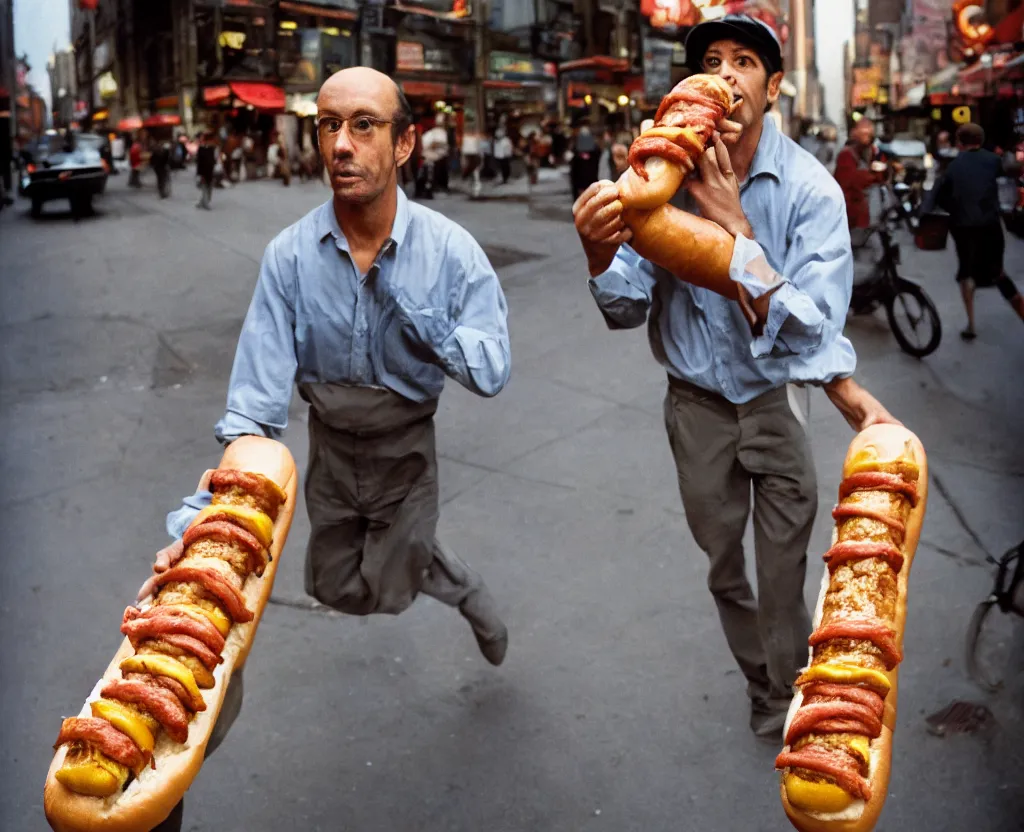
pixel 367 303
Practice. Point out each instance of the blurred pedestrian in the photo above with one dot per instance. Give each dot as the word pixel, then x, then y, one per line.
pixel 858 171
pixel 825 152
pixel 135 161
pixel 503 151
pixel 206 163
pixel 969 192
pixel 160 162
pixel 586 157
pixel 614 161
pixel 435 151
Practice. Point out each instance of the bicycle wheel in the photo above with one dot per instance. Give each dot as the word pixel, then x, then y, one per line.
pixel 914 320
pixel 988 645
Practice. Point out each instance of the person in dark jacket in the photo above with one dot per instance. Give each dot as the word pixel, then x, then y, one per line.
pixel 969 192
pixel 206 163
pixel 160 161
pixel 586 156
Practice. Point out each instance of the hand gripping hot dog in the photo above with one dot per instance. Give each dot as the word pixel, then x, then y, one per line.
pixel 838 733
pixel 135 747
pixel 695 250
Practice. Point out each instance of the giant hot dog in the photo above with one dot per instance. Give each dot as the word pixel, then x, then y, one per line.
pixel 838 733
pixel 128 757
pixel 696 250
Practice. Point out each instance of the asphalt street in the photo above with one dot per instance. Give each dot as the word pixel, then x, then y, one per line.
pixel 619 706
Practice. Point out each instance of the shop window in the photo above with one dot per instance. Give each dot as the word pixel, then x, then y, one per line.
pixel 298 46
pixel 244 48
pixel 339 49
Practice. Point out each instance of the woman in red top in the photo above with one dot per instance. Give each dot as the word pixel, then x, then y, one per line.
pixel 135 160
pixel 854 174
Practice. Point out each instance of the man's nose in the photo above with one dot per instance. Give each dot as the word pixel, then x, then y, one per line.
pixel 727 72
pixel 343 145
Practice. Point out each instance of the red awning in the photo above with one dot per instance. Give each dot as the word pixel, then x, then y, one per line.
pixel 597 62
pixel 216 95
pixel 162 120
pixel 262 96
pixel 1011 28
pixel 126 125
pixel 322 11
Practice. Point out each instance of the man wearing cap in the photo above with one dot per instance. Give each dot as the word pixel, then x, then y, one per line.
pixel 729 421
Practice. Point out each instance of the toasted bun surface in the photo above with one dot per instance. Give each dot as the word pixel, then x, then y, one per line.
pixel 888 443
pixel 149 799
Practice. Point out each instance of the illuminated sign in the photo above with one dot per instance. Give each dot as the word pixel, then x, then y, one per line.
pixel 969 19
pixel 665 14
pixel 232 40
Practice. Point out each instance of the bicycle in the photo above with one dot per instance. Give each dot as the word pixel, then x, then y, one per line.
pixel 988 640
pixel 912 315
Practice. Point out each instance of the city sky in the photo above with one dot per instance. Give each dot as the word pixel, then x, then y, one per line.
pixel 831 31
pixel 39 25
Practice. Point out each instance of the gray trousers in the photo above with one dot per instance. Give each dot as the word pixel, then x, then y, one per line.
pixel 720 451
pixel 372 497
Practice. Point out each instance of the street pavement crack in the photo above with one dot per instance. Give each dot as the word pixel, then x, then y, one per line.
pixel 958 513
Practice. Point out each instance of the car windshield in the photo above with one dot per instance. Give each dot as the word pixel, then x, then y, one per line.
pixel 75 149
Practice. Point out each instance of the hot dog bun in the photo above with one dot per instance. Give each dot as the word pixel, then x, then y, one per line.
pixel 693 249
pixel 886 443
pixel 149 798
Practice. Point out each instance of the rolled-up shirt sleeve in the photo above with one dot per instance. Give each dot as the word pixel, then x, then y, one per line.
pixel 623 291
pixel 807 312
pixel 468 339
pixel 263 373
pixel 179 519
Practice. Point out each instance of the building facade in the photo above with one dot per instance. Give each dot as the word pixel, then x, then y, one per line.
pixel 63 87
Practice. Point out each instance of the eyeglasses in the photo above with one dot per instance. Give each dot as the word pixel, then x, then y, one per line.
pixel 360 126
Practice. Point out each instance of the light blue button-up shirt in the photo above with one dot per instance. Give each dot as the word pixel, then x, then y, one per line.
pixel 799 219
pixel 430 306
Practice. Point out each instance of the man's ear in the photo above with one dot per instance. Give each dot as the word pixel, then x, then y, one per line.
pixel 405 145
pixel 774 83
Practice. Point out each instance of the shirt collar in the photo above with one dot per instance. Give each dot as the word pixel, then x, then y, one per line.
pixel 327 223
pixel 766 157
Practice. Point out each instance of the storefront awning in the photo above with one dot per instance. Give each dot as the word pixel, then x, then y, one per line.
pixel 162 120
pixel 460 16
pixel 597 62
pixel 127 125
pixel 1011 28
pixel 264 97
pixel 330 10
pixel 943 80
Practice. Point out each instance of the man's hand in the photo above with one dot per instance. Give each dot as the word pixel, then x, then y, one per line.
pixel 717 191
pixel 598 217
pixel 165 559
pixel 729 131
pixel 860 409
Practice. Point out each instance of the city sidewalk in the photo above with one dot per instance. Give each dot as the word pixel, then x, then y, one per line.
pixel 619 707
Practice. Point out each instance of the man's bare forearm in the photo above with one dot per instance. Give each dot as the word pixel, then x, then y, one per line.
pixel 858 406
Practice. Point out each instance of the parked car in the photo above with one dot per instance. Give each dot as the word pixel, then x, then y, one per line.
pixel 63 166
